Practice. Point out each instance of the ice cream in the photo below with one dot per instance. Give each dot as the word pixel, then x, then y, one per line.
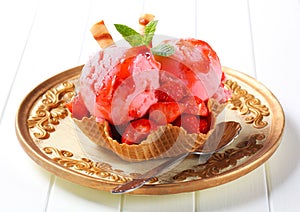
pixel 117 80
pixel 133 92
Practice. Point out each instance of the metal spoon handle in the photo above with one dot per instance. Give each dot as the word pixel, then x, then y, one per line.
pixel 225 132
pixel 146 177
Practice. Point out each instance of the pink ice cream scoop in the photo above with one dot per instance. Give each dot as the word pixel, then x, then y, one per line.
pixel 120 84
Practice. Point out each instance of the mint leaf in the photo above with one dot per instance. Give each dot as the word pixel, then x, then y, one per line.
pixel 163 50
pixel 130 35
pixel 149 31
pixel 136 39
pixel 151 27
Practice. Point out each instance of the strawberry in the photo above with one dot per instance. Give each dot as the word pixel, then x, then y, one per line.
pixel 164 112
pixel 192 123
pixel 170 91
pixel 140 104
pixel 203 125
pixel 194 105
pixel 137 130
pixel 162 96
pixel 182 72
pixel 78 108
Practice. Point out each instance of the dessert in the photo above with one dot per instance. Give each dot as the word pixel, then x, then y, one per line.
pixel 144 102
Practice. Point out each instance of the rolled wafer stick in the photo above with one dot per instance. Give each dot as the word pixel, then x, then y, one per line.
pixel 144 20
pixel 101 34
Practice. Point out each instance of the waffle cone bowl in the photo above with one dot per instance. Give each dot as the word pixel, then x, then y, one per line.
pixel 166 141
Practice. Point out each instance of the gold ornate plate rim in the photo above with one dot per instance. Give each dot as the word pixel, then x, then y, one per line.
pixel 44 161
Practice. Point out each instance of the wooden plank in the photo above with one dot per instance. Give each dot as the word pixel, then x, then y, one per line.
pixel 112 12
pixel 176 18
pixel 277 44
pixel 24 181
pixel 53 45
pixel 225 25
pixel 67 196
pixel 56 38
pixel 174 202
pixel 247 193
pixel 24 184
pixel 14 35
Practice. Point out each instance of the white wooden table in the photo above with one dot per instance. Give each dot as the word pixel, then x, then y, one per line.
pixel 41 38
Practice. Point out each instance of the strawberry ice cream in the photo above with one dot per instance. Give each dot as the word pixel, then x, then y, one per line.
pixel 146 102
pixel 197 65
pixel 128 87
pixel 118 84
pixel 122 81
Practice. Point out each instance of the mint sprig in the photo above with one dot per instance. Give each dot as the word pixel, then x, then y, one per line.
pixel 149 31
pixel 130 35
pixel 136 39
pixel 163 50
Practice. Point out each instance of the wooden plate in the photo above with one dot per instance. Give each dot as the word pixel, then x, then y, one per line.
pixel 50 137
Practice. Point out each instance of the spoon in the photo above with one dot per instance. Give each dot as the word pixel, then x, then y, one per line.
pixel 223 135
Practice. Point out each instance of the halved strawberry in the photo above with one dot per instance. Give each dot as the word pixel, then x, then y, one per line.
pixel 78 108
pixel 194 105
pixel 193 123
pixel 137 131
pixel 171 89
pixel 164 112
pixel 140 104
pixel 162 96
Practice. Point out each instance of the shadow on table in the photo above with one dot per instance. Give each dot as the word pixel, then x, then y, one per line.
pixel 251 189
pixel 89 197
pixel 285 160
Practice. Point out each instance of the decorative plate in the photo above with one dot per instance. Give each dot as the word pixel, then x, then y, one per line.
pixel 50 137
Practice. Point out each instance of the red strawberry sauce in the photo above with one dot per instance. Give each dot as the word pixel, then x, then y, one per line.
pixel 132 88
